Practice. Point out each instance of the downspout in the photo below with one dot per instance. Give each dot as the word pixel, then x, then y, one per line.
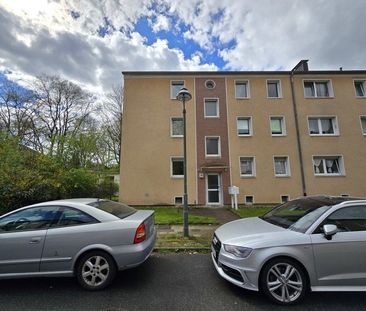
pixel 299 148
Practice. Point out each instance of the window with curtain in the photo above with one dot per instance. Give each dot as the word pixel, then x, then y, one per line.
pixel 281 166
pixel 177 127
pixel 244 126
pixel 247 166
pixel 323 126
pixel 277 126
pixel 241 89
pixel 317 88
pixel 328 165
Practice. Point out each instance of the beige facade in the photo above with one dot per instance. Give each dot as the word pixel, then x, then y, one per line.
pixel 275 135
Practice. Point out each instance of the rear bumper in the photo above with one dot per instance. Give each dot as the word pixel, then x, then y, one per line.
pixel 129 256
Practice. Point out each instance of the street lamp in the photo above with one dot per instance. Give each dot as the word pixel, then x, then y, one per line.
pixel 183 96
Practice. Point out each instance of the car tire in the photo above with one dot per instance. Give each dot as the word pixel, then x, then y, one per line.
pixel 96 270
pixel 283 281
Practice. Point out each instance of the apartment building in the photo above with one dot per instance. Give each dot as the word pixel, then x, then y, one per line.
pixel 276 135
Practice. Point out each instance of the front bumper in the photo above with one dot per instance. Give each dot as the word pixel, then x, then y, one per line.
pixel 234 270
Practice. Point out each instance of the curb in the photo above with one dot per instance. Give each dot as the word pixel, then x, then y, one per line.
pixel 182 249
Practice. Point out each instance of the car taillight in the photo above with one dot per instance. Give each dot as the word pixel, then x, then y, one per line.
pixel 140 234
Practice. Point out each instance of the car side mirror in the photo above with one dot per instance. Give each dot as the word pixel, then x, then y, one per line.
pixel 329 231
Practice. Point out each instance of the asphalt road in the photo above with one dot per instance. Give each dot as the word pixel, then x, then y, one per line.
pixel 164 282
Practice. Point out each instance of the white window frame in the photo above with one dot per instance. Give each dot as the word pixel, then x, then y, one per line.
pixel 363 81
pixel 217 107
pixel 171 89
pixel 342 171
pixel 319 118
pixel 245 199
pixel 253 167
pixel 362 130
pixel 171 127
pixel 314 81
pixel 279 88
pixel 248 88
pixel 288 168
pixel 283 125
pixel 219 147
pixel 250 126
pixel 171 167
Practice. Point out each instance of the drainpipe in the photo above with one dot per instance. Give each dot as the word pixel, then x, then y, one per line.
pixel 301 66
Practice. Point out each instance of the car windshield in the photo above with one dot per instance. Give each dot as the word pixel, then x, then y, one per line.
pixel 115 208
pixel 297 215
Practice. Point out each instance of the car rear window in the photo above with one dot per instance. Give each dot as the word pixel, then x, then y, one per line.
pixel 115 208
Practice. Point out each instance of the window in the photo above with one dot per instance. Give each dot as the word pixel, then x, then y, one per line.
pixel 178 200
pixel 323 126
pixel 117 209
pixel 210 84
pixel 175 87
pixel 360 88
pixel 213 147
pixel 244 126
pixel 273 89
pixel 211 108
pixel 281 166
pixel 363 125
pixel 317 88
pixel 36 218
pixel 247 167
pixel 328 165
pixel 241 89
pixel 284 198
pixel 177 169
pixel 278 126
pixel 249 199
pixel 351 218
pixel 74 217
pixel 176 127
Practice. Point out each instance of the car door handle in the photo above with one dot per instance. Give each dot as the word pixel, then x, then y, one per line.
pixel 35 240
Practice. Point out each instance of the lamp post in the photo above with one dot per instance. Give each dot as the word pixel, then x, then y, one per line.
pixel 183 96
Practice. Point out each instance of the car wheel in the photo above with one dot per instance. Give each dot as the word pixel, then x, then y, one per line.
pixel 283 281
pixel 96 270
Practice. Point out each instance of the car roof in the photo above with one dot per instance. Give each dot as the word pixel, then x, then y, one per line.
pixel 331 200
pixel 78 200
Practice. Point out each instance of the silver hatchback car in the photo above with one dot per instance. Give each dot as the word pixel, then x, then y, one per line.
pixel 88 238
pixel 312 243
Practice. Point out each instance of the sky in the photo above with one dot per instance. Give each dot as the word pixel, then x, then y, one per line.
pixel 90 42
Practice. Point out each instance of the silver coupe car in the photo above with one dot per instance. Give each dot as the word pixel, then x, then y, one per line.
pixel 312 243
pixel 88 238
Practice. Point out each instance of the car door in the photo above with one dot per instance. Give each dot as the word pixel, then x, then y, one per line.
pixel 22 236
pixel 65 238
pixel 341 261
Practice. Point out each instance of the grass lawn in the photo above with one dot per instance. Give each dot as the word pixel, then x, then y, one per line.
pixel 174 216
pixel 252 211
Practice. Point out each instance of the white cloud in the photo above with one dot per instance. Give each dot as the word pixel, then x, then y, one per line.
pixel 41 36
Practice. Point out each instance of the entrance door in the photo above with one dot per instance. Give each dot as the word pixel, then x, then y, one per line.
pixel 213 189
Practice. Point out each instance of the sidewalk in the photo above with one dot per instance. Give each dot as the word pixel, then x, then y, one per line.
pixel 170 237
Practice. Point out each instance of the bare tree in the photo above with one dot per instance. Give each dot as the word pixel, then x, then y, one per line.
pixel 112 123
pixel 60 110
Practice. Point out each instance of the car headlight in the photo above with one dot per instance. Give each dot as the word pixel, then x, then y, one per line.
pixel 238 251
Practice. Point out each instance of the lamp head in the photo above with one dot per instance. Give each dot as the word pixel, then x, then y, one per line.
pixel 184 95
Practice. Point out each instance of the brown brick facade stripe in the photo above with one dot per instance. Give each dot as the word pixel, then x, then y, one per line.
pixel 212 127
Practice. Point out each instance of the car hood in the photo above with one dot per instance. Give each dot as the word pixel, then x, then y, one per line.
pixel 256 233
